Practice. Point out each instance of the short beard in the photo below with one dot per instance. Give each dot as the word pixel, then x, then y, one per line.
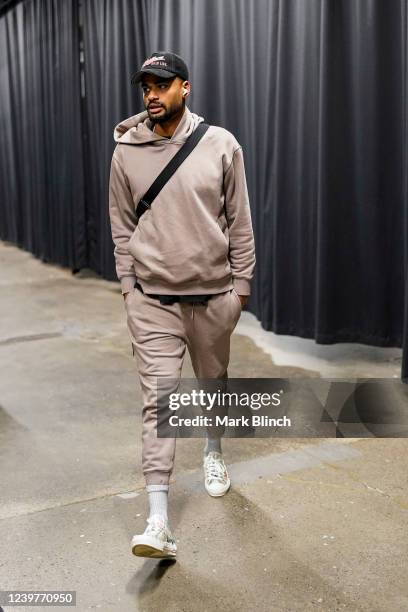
pixel 169 114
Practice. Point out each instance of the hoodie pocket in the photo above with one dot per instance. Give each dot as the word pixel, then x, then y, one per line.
pixel 139 227
pixel 223 228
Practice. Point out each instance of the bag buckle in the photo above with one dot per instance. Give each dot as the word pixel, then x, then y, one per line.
pixel 142 207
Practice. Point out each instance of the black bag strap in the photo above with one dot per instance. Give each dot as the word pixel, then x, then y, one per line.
pixel 168 171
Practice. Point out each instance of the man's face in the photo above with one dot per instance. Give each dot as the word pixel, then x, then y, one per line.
pixel 163 98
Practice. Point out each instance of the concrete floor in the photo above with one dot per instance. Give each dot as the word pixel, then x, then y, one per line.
pixel 309 524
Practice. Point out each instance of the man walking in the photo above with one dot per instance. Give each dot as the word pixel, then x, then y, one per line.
pixel 185 264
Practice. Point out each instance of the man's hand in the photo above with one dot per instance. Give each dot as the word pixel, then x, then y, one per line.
pixel 125 294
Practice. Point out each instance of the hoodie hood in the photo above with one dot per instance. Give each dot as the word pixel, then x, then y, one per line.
pixel 138 129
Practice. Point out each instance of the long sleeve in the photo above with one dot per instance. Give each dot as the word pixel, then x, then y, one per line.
pixel 238 214
pixel 123 220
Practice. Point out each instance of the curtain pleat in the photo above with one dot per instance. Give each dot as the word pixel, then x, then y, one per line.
pixel 41 163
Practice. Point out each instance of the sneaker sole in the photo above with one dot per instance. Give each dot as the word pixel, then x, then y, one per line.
pixel 150 547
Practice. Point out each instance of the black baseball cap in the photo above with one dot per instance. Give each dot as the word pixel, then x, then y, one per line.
pixel 164 65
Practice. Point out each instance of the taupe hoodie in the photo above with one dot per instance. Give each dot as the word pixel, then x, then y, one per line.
pixel 197 237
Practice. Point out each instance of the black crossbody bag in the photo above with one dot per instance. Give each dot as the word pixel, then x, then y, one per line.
pixel 168 171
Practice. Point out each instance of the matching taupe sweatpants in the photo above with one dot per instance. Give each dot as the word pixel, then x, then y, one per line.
pixel 160 335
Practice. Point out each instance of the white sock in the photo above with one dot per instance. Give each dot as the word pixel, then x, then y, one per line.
pixel 158 498
pixel 213 444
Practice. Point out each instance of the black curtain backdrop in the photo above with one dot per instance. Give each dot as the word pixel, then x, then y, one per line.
pixel 316 93
pixel 41 166
pixel 114 43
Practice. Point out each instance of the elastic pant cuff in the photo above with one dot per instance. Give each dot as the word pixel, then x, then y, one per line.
pixel 157 478
pixel 152 488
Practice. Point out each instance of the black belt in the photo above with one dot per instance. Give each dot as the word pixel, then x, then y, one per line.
pixel 171 299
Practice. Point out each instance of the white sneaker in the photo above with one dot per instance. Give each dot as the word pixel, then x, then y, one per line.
pixel 217 481
pixel 156 541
